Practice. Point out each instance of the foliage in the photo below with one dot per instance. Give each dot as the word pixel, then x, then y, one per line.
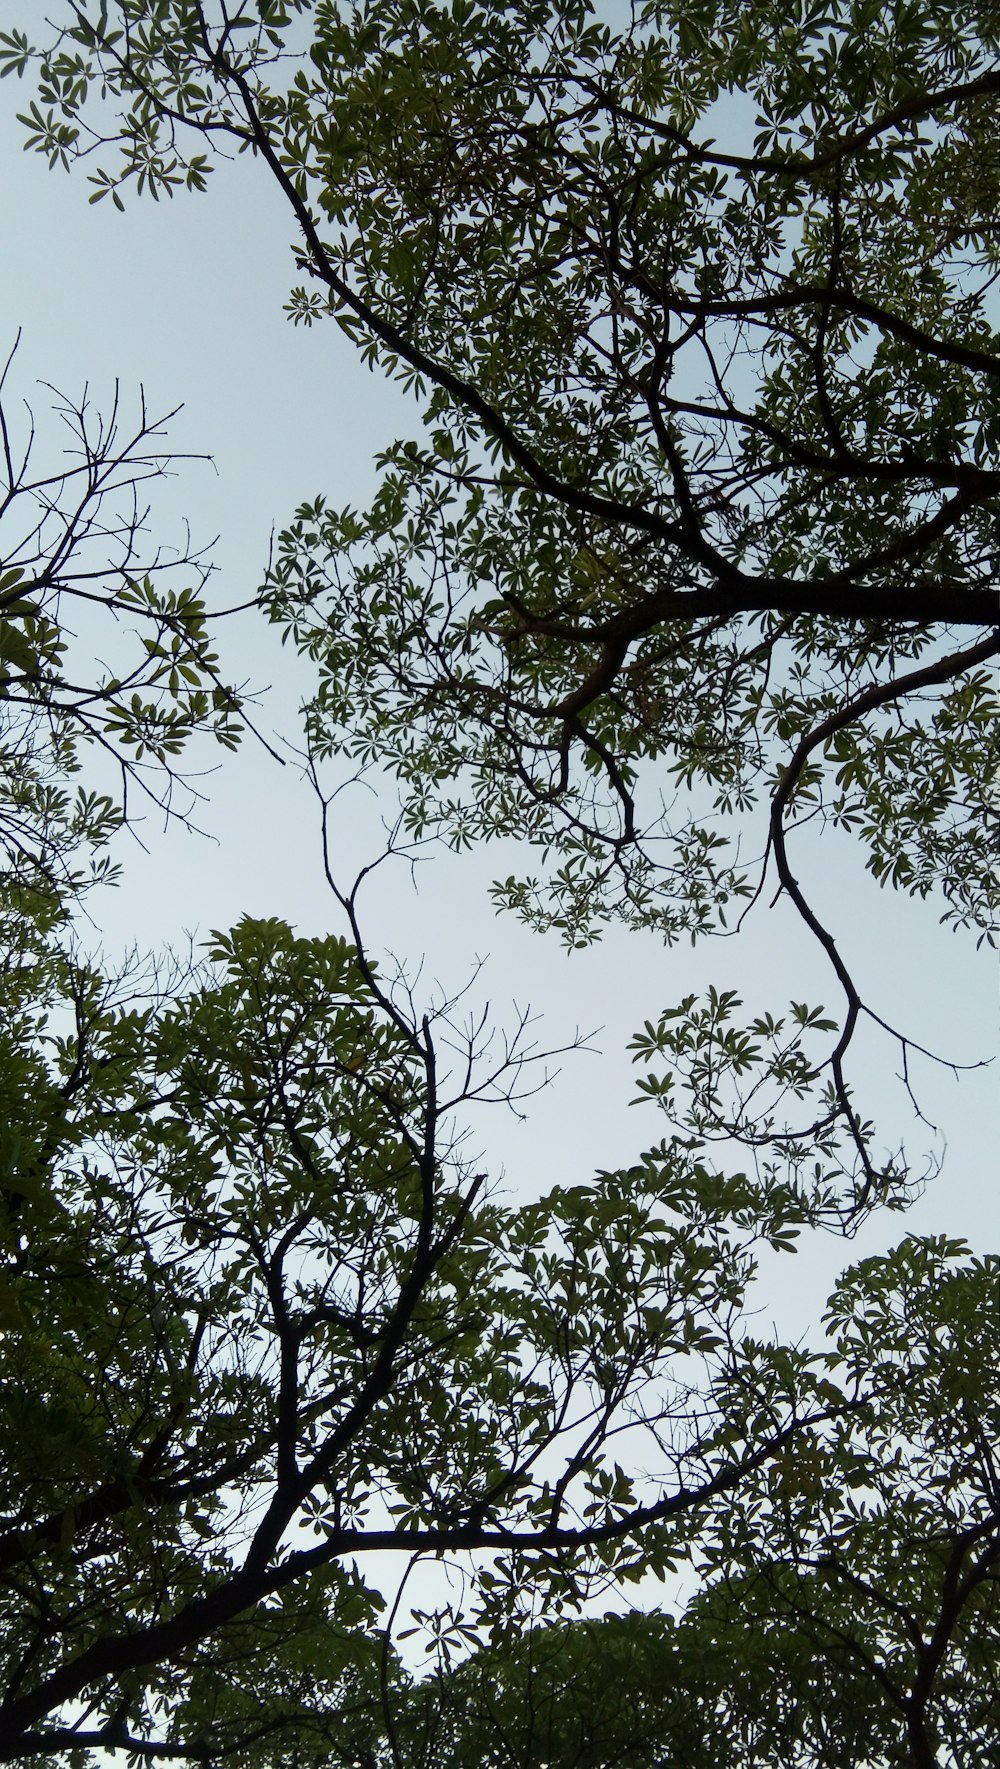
pixel 586 1693
pixel 849 1611
pixel 701 536
pixel 76 561
pixel 704 518
pixel 260 1323
pixel 863 1631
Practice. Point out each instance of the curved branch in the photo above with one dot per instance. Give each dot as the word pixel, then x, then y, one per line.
pixel 879 694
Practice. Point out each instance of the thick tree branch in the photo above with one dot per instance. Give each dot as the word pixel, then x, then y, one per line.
pixel 162 1641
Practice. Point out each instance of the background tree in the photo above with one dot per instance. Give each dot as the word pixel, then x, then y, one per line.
pixel 856 1625
pixel 260 1324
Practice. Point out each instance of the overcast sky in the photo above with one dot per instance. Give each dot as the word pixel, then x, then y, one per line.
pixel 185 298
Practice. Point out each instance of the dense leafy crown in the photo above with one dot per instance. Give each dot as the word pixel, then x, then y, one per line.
pixel 712 467
pixel 258 1323
pixel 703 311
pixel 698 548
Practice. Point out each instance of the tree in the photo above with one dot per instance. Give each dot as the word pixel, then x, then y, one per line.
pixel 260 1323
pixel 857 1628
pixel 704 518
pixel 705 512
pixel 583 1692
pixel 76 567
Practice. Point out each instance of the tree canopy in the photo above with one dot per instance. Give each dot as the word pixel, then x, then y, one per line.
pixel 695 557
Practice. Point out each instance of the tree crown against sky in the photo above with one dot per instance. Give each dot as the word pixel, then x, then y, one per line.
pixel 699 541
pixel 699 546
